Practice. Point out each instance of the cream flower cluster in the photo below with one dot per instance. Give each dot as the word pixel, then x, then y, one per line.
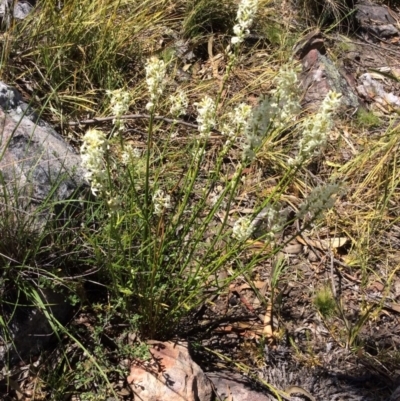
pixel 119 101
pixel 161 201
pixel 155 79
pixel 243 228
pixel 237 121
pixel 93 149
pixel 320 199
pixel 244 17
pixel 129 154
pixel 286 95
pixel 179 103
pixel 205 116
pixel 316 129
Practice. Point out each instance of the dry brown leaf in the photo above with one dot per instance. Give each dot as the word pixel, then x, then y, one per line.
pixel 259 284
pixel 394 307
pixel 324 244
pixel 224 329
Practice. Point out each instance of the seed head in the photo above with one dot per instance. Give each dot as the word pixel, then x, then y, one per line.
pixel 244 17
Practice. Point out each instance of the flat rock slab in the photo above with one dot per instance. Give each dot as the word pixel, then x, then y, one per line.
pixel 376 20
pixel 171 375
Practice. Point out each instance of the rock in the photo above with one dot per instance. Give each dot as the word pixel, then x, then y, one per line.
pixel 235 387
pixel 40 182
pixel 285 372
pixel 375 20
pixel 319 76
pixel 312 256
pixel 38 170
pixel 311 41
pixel 29 330
pixel 170 376
pixel 22 8
pixel 372 90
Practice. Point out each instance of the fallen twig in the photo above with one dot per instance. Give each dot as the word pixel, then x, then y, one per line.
pixel 97 120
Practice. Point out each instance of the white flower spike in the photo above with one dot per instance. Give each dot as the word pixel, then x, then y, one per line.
pixel 244 17
pixel 93 149
pixel 155 79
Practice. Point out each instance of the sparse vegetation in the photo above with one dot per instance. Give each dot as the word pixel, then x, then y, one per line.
pixel 215 175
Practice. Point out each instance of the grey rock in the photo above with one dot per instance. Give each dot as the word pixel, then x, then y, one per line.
pixel 22 9
pixel 283 371
pixel 41 182
pixel 384 31
pixel 10 98
pixel 38 170
pixel 371 13
pixel 29 330
pixel 376 20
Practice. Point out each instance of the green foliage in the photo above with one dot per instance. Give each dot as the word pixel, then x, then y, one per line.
pixel 367 119
pixel 275 33
pixel 326 11
pixel 164 221
pixel 208 16
pixel 325 302
pixel 80 48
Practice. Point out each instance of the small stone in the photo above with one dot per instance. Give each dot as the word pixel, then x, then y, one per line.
pixel 293 248
pixel 312 256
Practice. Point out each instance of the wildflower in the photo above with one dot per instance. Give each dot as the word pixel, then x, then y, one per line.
pixel 129 154
pixel 114 204
pixel 244 17
pixel 179 103
pixel 119 105
pixel 161 201
pixel 155 79
pixel 251 143
pixel 237 121
pixel 316 128
pixel 206 116
pixel 237 175
pixel 217 196
pixel 93 149
pixel 285 103
pixel 256 129
pixel 243 228
pixel 321 198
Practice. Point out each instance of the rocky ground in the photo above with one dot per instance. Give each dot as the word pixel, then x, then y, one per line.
pixel 274 332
